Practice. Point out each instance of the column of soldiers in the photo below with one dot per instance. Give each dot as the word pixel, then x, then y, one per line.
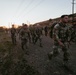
pixel 36 34
pixel 31 34
pixel 61 35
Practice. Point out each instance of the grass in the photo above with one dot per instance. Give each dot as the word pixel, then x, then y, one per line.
pixel 7 65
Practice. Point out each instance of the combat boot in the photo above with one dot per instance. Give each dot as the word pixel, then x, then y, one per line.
pixel 50 55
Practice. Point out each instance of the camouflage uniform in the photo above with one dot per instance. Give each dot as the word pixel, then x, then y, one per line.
pixel 33 34
pixel 29 34
pixel 60 32
pixel 46 30
pixel 38 32
pixel 13 35
pixel 73 33
pixel 24 37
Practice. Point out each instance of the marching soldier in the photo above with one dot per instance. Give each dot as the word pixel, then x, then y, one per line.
pixel 38 31
pixel 60 37
pixel 73 32
pixel 24 36
pixel 13 35
pixel 33 34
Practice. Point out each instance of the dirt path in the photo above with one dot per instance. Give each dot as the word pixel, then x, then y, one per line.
pixel 37 57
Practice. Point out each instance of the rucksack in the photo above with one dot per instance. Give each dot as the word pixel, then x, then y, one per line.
pixel 51 30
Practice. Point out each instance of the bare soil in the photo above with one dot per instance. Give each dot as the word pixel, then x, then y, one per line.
pixel 36 57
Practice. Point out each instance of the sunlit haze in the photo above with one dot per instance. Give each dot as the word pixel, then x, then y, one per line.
pixel 32 11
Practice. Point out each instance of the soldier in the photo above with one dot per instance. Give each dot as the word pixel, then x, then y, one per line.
pixel 13 35
pixel 73 32
pixel 30 34
pixel 33 34
pixel 24 36
pixel 46 30
pixel 38 31
pixel 60 37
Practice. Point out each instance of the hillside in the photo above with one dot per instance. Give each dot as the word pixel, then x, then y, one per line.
pixel 49 21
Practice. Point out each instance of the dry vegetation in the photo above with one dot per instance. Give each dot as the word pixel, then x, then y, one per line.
pixel 7 64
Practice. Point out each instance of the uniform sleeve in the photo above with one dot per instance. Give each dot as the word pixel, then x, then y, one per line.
pixel 56 32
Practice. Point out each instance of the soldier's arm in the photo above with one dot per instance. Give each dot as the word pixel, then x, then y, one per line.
pixel 56 36
pixel 20 33
pixel 55 33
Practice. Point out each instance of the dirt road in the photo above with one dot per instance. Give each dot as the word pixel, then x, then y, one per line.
pixel 37 57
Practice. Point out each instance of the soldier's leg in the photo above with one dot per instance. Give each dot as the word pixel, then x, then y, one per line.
pixel 36 39
pixel 30 39
pixel 54 53
pixel 46 33
pixel 14 39
pixel 26 41
pixel 33 39
pixel 55 50
pixel 65 54
pixel 66 57
pixel 22 44
pixel 40 40
pixel 26 46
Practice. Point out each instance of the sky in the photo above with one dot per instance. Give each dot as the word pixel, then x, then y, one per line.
pixel 32 11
